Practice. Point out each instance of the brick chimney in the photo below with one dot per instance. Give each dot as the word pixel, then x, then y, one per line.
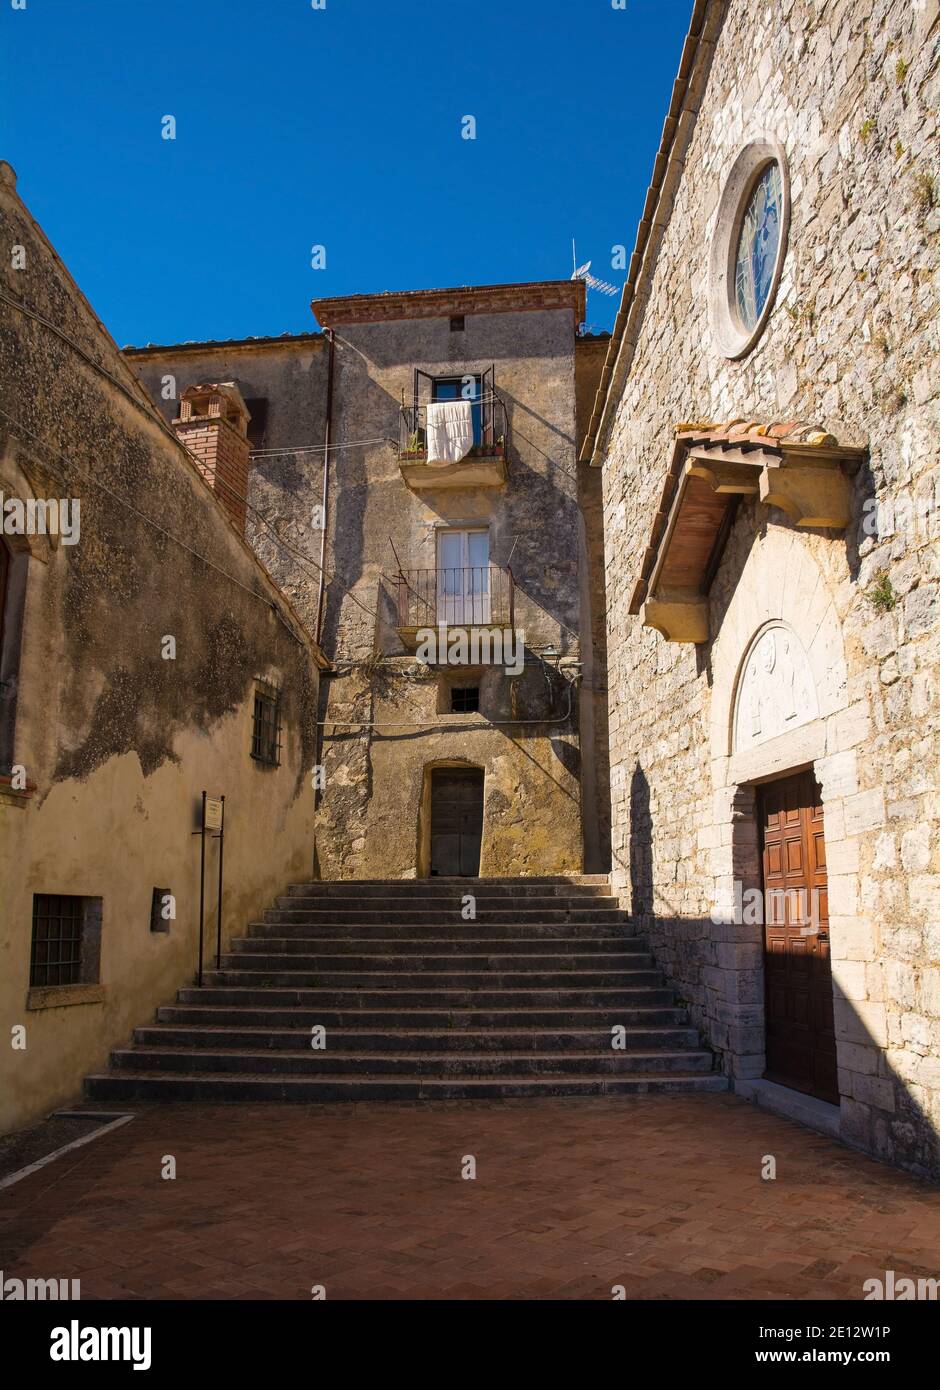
pixel 213 424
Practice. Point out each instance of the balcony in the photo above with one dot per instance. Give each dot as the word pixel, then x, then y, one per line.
pixel 473 596
pixel 485 463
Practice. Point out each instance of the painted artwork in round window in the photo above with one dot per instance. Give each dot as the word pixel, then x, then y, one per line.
pixel 758 242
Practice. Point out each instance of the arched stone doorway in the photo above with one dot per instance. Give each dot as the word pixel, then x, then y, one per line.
pixel 782 737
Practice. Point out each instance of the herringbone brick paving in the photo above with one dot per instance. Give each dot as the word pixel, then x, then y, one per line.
pixel 662 1194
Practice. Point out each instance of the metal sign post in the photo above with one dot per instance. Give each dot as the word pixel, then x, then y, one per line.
pixel 218 923
pixel 212 818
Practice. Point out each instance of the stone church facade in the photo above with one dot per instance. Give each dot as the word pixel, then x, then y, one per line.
pixel 766 426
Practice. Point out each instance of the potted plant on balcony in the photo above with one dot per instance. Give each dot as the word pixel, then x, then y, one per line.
pixel 414 450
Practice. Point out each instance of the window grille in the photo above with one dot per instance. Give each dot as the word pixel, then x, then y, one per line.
pixel 266 725
pixel 57 940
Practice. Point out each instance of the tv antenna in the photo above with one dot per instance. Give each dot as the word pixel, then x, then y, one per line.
pixel 582 272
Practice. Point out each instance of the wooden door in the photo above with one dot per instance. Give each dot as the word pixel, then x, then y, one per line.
pixel 801 1045
pixel 456 821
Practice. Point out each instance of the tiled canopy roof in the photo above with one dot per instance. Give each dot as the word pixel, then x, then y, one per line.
pixel 794 465
pixel 738 431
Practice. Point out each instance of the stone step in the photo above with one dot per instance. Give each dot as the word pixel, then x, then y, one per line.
pixel 454 931
pixel 452 888
pixel 465 963
pixel 125 1085
pixel 573 883
pixel 329 915
pixel 426 902
pixel 201 1013
pixel 390 1064
pixel 381 948
pixel 420 1003
pixel 538 978
pixel 455 998
pixel 414 1039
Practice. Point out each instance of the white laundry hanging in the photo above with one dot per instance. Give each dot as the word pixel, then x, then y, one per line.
pixel 450 431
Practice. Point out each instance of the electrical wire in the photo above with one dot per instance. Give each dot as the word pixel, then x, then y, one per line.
pixel 459 728
pixel 270 603
pixel 319 448
pixel 147 409
pixel 151 414
pixel 292 550
pixel 149 521
pixel 145 405
pixel 76 347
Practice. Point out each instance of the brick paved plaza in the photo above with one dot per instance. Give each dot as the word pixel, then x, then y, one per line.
pixel 661 1194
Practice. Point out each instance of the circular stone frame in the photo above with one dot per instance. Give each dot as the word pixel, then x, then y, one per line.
pixel 734 340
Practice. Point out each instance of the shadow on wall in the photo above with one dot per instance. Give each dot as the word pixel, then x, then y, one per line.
pixel 641 845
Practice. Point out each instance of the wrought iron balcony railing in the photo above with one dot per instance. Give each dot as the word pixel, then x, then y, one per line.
pixel 473 596
pixel 490 430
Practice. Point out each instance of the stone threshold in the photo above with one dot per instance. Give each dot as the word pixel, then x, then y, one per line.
pixel 793 1105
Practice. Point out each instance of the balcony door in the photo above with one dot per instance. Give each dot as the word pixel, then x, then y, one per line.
pixel 461 388
pixel 463 577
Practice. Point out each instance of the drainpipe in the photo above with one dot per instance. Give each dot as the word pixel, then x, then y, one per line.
pixel 321 587
pixel 326 483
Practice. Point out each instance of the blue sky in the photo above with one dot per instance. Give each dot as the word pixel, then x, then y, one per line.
pixel 338 127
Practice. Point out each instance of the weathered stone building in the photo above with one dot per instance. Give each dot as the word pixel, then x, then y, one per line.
pixel 767 428
pixel 717 537
pixel 480 761
pixel 140 638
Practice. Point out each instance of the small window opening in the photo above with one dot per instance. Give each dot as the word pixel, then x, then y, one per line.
pixel 465 699
pixel 266 725
pixel 158 921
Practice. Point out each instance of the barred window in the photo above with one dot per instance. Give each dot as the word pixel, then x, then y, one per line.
pixel 66 945
pixel 266 725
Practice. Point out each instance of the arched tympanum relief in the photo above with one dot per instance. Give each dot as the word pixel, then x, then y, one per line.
pixel 776 691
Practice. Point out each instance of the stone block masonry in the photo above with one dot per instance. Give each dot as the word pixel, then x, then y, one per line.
pixel 851 93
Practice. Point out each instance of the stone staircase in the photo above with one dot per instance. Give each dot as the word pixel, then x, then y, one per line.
pixel 418 1003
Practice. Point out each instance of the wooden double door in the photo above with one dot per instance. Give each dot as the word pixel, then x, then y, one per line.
pixel 801 1045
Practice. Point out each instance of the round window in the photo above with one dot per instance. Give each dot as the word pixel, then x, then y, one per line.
pixel 758 242
pixel 748 246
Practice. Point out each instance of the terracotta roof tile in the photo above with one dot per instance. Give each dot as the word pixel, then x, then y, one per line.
pixel 737 431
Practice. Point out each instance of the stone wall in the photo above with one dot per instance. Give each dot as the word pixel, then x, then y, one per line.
pixel 376 769
pixel 375 776
pixel 115 733
pixel 850 90
pixel 589 360
pixel 289 375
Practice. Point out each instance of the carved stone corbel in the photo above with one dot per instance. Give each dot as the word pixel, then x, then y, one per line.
pixel 809 495
pixel 678 619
